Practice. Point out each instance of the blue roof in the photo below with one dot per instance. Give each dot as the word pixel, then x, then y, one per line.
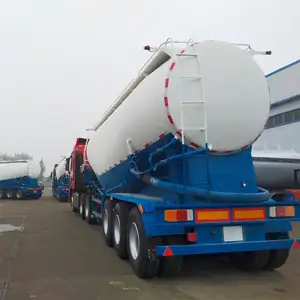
pixel 283 68
pixel 290 99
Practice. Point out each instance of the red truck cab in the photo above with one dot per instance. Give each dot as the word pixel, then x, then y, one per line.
pixel 77 160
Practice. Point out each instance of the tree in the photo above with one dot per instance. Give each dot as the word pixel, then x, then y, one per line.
pixel 43 169
pixel 22 156
pixel 16 156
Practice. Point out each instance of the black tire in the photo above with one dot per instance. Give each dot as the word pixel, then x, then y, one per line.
pixel 73 207
pixel 82 198
pixel 249 261
pixel 2 194
pixel 88 210
pixel 145 264
pixel 10 194
pixel 53 193
pixel 277 259
pixel 20 195
pixel 107 224
pixel 171 265
pixel 120 217
pixel 79 182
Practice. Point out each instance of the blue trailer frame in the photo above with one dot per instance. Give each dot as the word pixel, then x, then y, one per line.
pixel 61 189
pixel 20 188
pixel 152 212
pixel 247 220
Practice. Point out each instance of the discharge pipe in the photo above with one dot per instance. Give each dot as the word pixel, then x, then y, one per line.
pixel 261 196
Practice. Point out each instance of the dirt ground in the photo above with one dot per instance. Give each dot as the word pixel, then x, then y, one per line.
pixel 51 254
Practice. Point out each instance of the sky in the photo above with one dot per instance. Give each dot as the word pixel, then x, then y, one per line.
pixel 63 62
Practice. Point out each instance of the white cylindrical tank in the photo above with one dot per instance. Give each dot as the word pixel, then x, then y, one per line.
pixel 214 93
pixel 11 170
pixel 61 169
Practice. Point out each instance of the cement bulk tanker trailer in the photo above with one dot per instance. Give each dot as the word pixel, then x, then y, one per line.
pixel 277 170
pixel 60 181
pixel 19 179
pixel 168 169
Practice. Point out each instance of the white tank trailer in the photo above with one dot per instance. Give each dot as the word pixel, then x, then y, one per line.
pixel 160 197
pixel 19 179
pixel 17 169
pixel 185 93
pixel 60 181
pixel 277 170
pixel 61 169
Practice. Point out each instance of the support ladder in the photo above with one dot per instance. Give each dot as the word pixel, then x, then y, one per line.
pixel 187 104
pixel 197 121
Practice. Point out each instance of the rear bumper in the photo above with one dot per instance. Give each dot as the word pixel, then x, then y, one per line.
pixel 226 247
pixel 63 194
pixel 35 193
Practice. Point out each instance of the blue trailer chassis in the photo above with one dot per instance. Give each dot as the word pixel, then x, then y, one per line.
pixel 20 188
pixel 219 209
pixel 210 237
pixel 60 191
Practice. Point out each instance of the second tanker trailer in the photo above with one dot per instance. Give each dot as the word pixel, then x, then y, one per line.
pixel 19 180
pixel 169 170
pixel 60 181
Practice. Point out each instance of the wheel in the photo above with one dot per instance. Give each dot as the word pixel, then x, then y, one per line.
pixel 120 216
pixel 79 180
pixel 73 206
pixel 58 198
pixel 171 265
pixel 277 259
pixel 20 195
pixel 10 194
pixel 2 194
pixel 141 248
pixel 82 197
pixel 88 210
pixel 249 261
pixel 107 222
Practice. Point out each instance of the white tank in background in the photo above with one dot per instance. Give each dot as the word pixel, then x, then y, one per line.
pixel 17 169
pixel 61 169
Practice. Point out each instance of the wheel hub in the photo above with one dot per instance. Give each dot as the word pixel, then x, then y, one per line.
pixel 134 241
pixel 105 221
pixel 117 229
pixel 87 211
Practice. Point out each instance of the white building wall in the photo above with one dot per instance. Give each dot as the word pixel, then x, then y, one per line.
pixel 285 82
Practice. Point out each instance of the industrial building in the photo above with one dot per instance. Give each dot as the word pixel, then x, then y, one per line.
pixel 283 128
pixel 276 153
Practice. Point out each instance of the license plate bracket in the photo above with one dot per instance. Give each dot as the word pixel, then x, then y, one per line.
pixel 233 233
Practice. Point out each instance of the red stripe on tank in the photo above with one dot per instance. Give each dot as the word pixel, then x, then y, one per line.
pixel 195 145
pixel 166 101
pixel 172 66
pixel 179 133
pixel 167 83
pixel 170 119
